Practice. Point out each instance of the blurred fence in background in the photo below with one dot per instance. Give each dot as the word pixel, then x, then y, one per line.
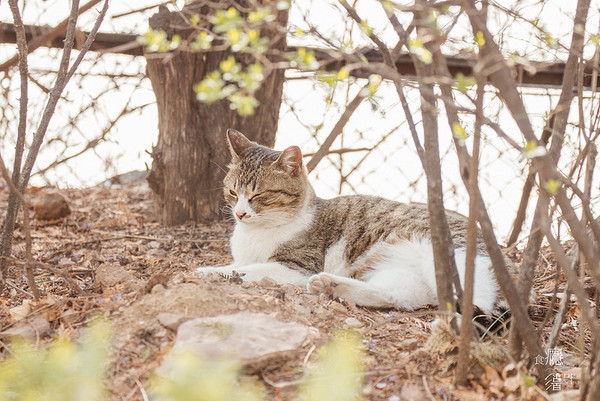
pixel 107 122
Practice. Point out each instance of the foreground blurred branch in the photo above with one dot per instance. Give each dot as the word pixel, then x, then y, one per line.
pixel 559 120
pixel 466 328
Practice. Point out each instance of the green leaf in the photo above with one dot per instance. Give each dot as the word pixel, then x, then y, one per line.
pixel 552 186
pixel 259 15
pixel 226 20
pixel 533 150
pixel 529 381
pixel 343 74
pixel 459 133
pixel 463 84
pixel 374 83
pixel 203 41
pixel 551 41
pixel 61 371
pixel 244 104
pixel 417 48
pixel 337 374
pixel 253 35
pixel 229 65
pixel 366 28
pixel 479 39
pixel 304 59
pixel 211 88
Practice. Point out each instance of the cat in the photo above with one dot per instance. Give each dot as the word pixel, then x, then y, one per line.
pixel 373 250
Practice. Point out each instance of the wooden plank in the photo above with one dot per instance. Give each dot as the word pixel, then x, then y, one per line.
pixel 536 74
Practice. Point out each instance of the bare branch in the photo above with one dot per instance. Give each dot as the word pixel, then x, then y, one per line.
pixel 63 76
pixel 337 129
pixel 466 330
pixel 48 36
pixel 26 228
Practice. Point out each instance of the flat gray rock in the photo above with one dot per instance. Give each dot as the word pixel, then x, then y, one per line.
pixel 29 330
pixel 255 340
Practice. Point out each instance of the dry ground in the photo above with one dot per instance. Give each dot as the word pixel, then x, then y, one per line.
pixel 130 269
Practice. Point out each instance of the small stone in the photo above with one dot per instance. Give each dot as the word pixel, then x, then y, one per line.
pixel 110 275
pixel 157 289
pixel 302 310
pixel 65 262
pixel 29 330
pixel 267 282
pixel 162 333
pixel 171 320
pixel 290 289
pixel 412 392
pixel 20 312
pixel 50 206
pixel 353 323
pixel 409 345
pixel 159 253
pixel 512 384
pixel 337 307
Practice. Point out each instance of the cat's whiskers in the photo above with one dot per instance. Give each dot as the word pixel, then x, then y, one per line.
pixel 227 212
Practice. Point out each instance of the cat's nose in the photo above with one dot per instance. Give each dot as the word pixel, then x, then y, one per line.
pixel 240 215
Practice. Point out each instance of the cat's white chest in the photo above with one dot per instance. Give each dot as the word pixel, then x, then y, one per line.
pixel 252 245
pixel 256 244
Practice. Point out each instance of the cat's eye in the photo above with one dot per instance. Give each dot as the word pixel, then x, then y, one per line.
pixel 254 197
pixel 232 193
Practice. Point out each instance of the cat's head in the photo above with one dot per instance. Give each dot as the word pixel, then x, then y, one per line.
pixel 264 186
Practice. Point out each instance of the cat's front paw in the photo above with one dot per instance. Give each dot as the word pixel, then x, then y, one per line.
pixel 322 283
pixel 207 269
pixel 213 270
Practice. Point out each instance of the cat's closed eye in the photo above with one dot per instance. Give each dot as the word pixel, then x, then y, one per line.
pixel 232 193
pixel 253 197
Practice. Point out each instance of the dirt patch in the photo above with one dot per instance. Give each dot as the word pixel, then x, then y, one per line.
pixel 132 270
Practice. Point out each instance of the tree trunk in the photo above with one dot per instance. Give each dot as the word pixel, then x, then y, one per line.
pixel 191 156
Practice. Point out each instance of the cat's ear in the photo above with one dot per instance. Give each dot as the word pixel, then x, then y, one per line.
pixel 237 142
pixel 291 160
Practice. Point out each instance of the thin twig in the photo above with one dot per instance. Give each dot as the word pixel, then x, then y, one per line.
pixel 26 228
pixel 65 275
pixel 559 318
pixel 47 36
pixel 427 390
pixel 587 313
pixel 13 203
pixel 142 390
pixel 467 304
pixel 8 283
pixel 337 129
pixel 62 78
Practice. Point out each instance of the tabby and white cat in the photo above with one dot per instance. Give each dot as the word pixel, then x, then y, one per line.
pixel 367 248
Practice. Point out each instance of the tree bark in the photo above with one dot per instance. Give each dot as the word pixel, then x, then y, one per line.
pixel 191 156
